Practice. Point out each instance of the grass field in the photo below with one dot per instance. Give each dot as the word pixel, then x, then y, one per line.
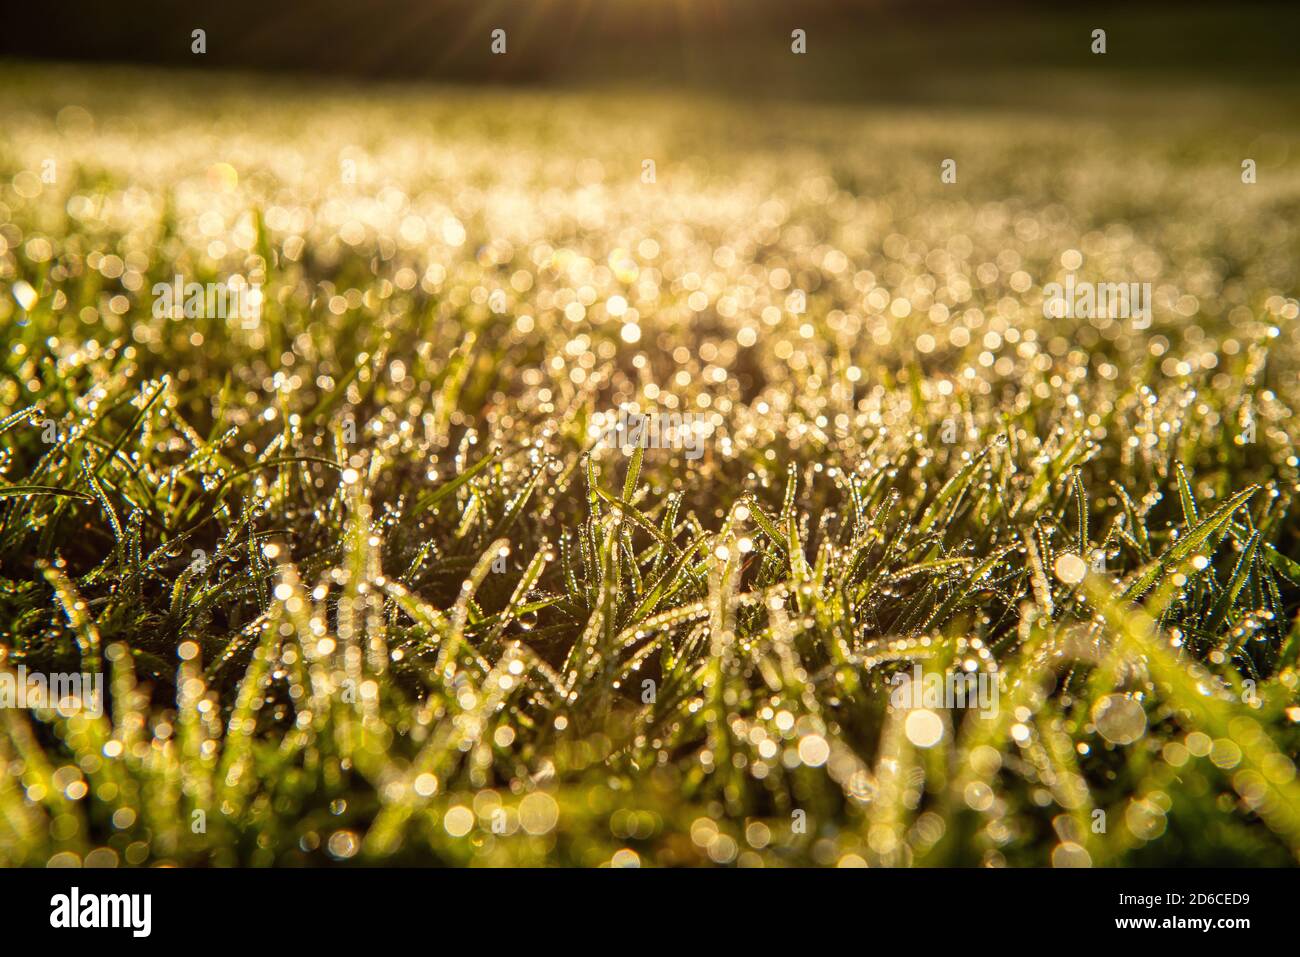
pixel 367 587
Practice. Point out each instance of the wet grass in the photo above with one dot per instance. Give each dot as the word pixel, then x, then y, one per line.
pixel 368 587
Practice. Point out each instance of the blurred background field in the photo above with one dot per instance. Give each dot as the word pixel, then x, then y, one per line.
pixel 465 268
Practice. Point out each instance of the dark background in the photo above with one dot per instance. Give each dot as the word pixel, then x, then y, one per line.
pixel 744 44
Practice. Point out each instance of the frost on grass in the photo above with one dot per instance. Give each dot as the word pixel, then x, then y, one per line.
pixel 367 585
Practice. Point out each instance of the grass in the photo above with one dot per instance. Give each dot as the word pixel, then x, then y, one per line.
pixel 366 589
